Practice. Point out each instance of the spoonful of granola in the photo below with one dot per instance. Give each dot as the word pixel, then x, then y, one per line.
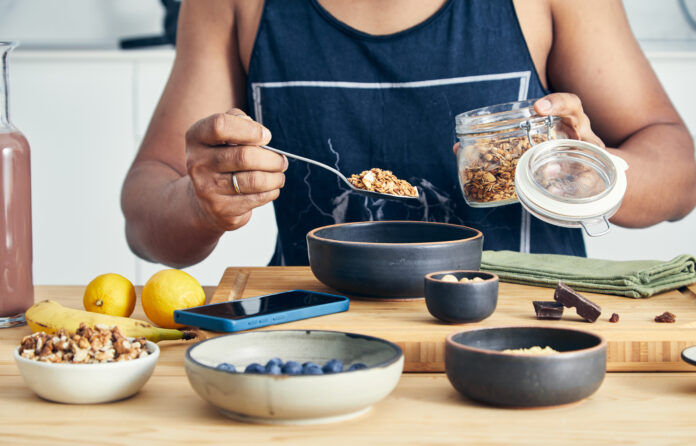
pixel 375 183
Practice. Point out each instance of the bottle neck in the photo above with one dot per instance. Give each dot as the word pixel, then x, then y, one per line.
pixel 5 49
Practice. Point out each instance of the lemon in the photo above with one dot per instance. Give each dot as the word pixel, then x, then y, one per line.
pixel 110 294
pixel 169 290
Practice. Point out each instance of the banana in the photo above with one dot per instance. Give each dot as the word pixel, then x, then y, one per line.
pixel 50 316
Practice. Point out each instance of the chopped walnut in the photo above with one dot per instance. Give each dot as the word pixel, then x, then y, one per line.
pixel 382 181
pixel 87 345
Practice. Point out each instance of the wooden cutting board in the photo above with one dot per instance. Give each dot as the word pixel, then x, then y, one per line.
pixel 635 343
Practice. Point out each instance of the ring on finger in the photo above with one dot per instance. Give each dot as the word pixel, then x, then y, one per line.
pixel 235 184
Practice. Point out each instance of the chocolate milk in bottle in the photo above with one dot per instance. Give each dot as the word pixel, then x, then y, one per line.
pixel 16 283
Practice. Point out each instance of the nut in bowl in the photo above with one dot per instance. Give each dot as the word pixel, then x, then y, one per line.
pixel 461 296
pixel 278 397
pixel 525 366
pixel 58 368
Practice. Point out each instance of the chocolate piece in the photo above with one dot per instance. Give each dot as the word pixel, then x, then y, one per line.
pixel 614 317
pixel 548 309
pixel 587 309
pixel 666 317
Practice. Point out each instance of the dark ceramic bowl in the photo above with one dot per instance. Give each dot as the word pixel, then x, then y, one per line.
pixel 460 302
pixel 388 259
pixel 478 369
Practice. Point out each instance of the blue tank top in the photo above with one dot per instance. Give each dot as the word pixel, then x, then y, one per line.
pixel 356 101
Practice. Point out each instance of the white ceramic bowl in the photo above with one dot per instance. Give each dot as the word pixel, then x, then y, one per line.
pixel 87 383
pixel 296 399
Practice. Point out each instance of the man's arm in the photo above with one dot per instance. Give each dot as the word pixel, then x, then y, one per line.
pixel 595 56
pixel 179 197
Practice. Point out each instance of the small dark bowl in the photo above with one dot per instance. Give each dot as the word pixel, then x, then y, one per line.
pixel 478 369
pixel 388 259
pixel 460 302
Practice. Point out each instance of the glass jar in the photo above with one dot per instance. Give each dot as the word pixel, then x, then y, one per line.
pixel 508 153
pixel 491 142
pixel 16 283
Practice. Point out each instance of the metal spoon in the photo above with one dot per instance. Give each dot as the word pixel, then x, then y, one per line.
pixel 369 193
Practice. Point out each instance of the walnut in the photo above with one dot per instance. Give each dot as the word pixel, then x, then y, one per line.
pixel 86 345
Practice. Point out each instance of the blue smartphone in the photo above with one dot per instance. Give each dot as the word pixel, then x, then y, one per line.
pixel 261 311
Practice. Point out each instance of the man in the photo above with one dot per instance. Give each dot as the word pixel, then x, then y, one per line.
pixel 377 83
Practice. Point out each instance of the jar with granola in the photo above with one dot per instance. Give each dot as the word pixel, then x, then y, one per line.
pixel 492 140
pixel 508 153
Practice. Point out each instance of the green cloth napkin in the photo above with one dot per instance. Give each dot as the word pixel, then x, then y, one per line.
pixel 635 278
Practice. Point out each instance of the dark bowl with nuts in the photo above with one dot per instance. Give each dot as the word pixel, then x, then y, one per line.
pixel 388 259
pixel 525 366
pixel 461 296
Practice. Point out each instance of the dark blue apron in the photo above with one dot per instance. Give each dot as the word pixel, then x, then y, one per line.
pixel 356 101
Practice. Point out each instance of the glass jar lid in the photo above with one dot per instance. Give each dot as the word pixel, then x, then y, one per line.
pixel 501 118
pixel 571 183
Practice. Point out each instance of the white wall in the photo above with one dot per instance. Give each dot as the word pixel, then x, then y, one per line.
pixel 78 23
pixel 102 22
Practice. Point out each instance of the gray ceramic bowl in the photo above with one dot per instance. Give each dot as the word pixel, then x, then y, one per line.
pixel 299 399
pixel 388 259
pixel 478 369
pixel 460 302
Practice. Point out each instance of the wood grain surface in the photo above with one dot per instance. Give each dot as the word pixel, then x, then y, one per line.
pixel 635 343
pixel 628 409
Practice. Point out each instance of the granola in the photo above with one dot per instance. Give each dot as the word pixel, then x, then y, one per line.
pixel 490 163
pixel 86 346
pixel 536 350
pixel 383 181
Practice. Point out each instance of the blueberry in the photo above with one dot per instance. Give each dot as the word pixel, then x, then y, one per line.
pixel 357 366
pixel 274 361
pixel 312 369
pixel 226 367
pixel 333 366
pixel 255 368
pixel 273 369
pixel 292 368
pixel 309 363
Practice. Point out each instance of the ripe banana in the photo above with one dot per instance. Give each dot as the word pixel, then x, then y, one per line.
pixel 50 316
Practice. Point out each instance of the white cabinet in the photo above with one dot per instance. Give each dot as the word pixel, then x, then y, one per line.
pixel 77 116
pixel 85 113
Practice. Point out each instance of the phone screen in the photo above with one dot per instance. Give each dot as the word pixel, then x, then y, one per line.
pixel 259 306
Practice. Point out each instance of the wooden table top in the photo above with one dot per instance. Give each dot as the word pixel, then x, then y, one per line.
pixel 635 343
pixel 629 408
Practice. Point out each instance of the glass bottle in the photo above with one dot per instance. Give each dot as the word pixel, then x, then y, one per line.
pixel 16 282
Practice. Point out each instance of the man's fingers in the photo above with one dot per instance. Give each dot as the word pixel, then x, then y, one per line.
pixel 565 105
pixel 228 128
pixel 244 158
pixel 248 182
pixel 574 120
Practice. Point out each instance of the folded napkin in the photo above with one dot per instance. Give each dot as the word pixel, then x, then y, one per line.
pixel 635 278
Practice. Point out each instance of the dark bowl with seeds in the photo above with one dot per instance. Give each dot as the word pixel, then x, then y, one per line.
pixel 525 366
